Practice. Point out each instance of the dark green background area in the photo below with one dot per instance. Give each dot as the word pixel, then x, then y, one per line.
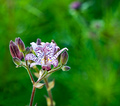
pixel 92 35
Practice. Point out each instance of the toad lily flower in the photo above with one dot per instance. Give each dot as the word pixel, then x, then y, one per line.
pixel 46 55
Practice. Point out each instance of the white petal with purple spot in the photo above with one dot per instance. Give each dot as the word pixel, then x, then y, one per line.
pixel 31 57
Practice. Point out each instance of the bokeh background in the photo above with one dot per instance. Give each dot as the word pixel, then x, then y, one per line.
pixel 92 35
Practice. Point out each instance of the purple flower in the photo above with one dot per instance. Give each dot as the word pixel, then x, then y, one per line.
pixel 46 55
pixel 75 5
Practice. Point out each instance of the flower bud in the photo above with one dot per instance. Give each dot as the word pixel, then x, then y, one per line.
pixel 75 5
pixel 20 44
pixel 64 57
pixel 15 51
pixel 31 49
pixel 65 68
pixel 53 41
pixel 17 61
pixel 38 41
pixel 21 56
pixel 27 50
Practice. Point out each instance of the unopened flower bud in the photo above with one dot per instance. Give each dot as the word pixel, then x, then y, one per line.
pixel 64 57
pixel 21 56
pixel 75 5
pixel 65 68
pixel 31 49
pixel 17 61
pixel 15 51
pixel 53 41
pixel 20 44
pixel 27 50
pixel 38 42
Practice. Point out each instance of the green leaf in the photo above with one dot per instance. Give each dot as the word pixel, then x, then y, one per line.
pixel 51 85
pixel 38 85
pixel 39 75
pixel 49 101
pixel 36 74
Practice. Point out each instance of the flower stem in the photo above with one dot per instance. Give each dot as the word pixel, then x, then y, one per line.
pixel 36 69
pixel 53 70
pixel 31 77
pixel 32 96
pixel 49 91
pixel 41 78
pixel 29 72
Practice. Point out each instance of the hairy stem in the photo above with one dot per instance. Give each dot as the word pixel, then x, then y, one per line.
pixel 32 96
pixel 36 69
pixel 32 80
pixel 29 72
pixel 49 72
pixel 39 79
pixel 49 91
pixel 53 70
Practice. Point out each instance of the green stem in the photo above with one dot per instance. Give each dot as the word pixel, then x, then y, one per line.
pixel 42 77
pixel 49 91
pixel 45 80
pixel 36 69
pixel 49 72
pixel 32 96
pixel 32 80
pixel 53 70
pixel 29 72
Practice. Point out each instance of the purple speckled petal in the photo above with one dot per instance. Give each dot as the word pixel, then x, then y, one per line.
pixel 31 57
pixel 34 45
pixel 39 53
pixel 38 49
pixel 55 63
pixel 58 53
pixel 47 54
pixel 33 64
pixel 56 49
pixel 49 49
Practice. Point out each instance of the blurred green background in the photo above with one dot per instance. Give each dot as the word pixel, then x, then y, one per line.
pixel 92 35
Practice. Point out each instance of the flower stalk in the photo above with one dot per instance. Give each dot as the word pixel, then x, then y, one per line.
pixel 41 78
pixel 32 96
pixel 53 70
pixel 29 72
pixel 49 91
